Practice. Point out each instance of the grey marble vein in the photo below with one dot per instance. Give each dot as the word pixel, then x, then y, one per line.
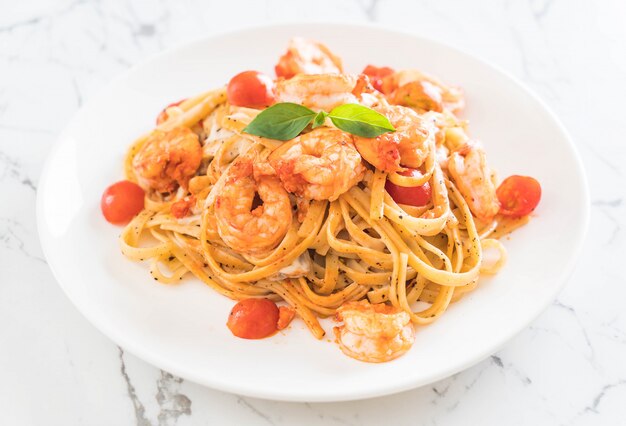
pixel 12 169
pixel 21 24
pixel 11 239
pixel 594 407
pixel 36 20
pixel 77 92
pixel 608 203
pixel 616 226
pixel 243 401
pixel 370 8
pixel 540 8
pixel 172 403
pixel 601 156
pixel 140 410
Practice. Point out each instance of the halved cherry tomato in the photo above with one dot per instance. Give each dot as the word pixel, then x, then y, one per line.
pixel 414 196
pixel 518 195
pixel 162 117
pixel 122 201
pixel 253 318
pixel 286 314
pixel 376 75
pixel 250 89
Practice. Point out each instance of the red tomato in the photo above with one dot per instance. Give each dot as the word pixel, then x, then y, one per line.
pixel 412 195
pixel 282 70
pixel 253 318
pixel 250 89
pixel 286 314
pixel 518 195
pixel 376 75
pixel 122 201
pixel 162 117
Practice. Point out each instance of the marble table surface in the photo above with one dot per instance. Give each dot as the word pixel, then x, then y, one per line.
pixel 567 368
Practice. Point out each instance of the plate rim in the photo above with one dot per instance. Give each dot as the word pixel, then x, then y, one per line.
pixel 273 394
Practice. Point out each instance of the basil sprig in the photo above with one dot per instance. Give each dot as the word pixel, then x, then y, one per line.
pixel 284 121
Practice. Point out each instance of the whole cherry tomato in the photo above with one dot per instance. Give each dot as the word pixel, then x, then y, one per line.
pixel 518 195
pixel 250 89
pixel 122 201
pixel 253 318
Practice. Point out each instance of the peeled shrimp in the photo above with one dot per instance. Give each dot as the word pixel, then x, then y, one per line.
pixel 415 89
pixel 407 146
pixel 307 57
pixel 324 91
pixel 469 171
pixel 168 160
pixel 373 332
pixel 244 227
pixel 319 165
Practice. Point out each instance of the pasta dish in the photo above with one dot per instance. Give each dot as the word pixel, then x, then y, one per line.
pixel 320 193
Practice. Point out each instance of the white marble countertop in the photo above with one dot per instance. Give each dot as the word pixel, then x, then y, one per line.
pixel 567 368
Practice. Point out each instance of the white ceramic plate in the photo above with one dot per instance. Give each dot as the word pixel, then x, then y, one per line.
pixel 182 328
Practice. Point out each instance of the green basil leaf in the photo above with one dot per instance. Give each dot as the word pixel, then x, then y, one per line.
pixel 282 121
pixel 320 119
pixel 360 120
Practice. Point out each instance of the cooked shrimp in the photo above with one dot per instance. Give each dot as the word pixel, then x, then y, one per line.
pixel 421 95
pixel 324 91
pixel 469 171
pixel 168 160
pixel 241 224
pixel 319 165
pixel 415 89
pixel 373 333
pixel 307 57
pixel 407 146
